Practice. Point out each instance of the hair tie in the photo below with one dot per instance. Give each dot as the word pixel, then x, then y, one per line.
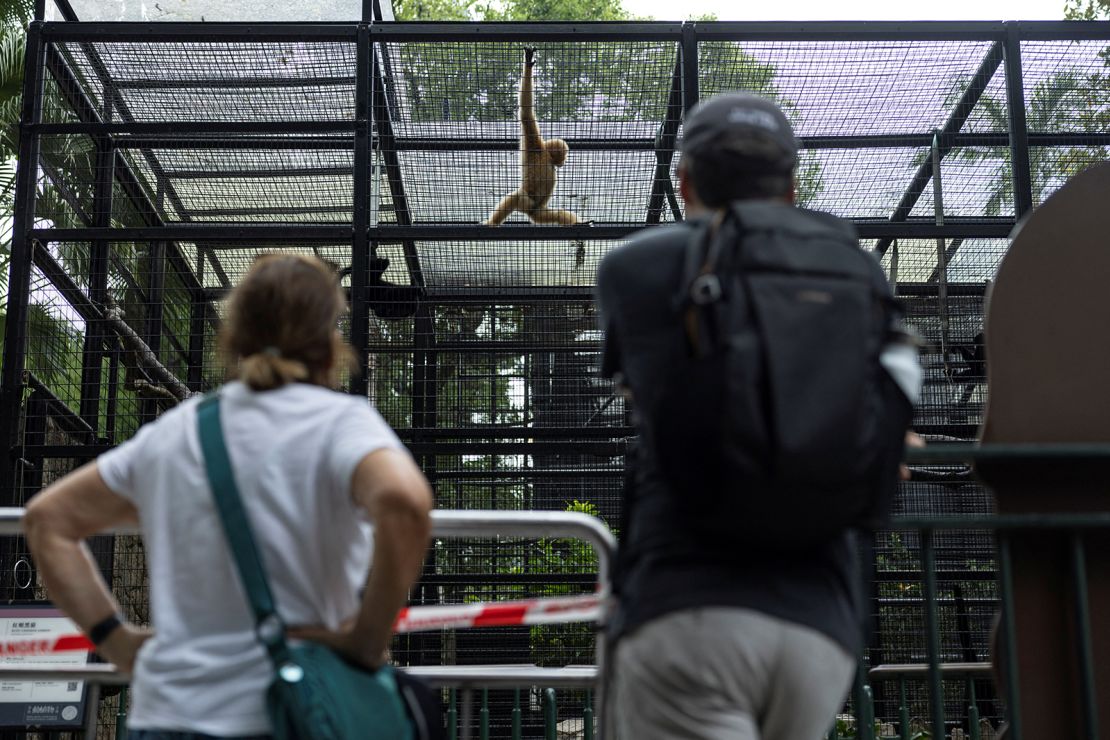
pixel 271 351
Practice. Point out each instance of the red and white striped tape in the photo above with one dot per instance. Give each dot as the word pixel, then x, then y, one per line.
pixel 585 608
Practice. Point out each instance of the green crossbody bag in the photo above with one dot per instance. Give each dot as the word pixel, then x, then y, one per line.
pixel 315 695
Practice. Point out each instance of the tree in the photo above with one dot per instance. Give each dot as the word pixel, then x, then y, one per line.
pixel 1086 10
pixel 14 17
pixel 1068 101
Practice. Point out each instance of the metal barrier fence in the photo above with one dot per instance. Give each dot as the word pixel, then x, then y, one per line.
pixel 466 679
pixel 1080 526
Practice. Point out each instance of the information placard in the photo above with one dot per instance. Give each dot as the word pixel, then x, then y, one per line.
pixel 25 704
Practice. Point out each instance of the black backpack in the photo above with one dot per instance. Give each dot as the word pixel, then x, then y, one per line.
pixel 779 427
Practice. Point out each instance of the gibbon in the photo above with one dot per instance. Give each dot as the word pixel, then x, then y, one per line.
pixel 538 161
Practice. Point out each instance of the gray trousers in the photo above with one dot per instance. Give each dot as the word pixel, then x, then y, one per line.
pixel 721 673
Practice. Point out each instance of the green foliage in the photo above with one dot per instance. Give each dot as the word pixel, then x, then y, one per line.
pixel 14 16
pixel 564 644
pixel 436 10
pixel 558 10
pixel 510 10
pixel 1068 101
pixel 608 82
pixel 1086 10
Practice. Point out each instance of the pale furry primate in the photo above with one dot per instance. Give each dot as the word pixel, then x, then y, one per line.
pixel 538 161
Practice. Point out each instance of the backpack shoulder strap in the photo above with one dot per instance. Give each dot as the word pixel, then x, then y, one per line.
pixel 701 288
pixel 237 529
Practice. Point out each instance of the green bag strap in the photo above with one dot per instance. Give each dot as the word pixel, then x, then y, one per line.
pixel 237 528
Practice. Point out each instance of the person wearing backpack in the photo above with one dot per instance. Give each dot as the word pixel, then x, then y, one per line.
pixel 771 385
pixel 321 482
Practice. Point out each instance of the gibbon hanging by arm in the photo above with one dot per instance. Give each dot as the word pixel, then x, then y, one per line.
pixel 538 161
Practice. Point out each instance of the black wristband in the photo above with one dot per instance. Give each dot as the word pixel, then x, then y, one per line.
pixel 100 631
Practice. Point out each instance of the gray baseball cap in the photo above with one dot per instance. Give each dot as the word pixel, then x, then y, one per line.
pixel 739 112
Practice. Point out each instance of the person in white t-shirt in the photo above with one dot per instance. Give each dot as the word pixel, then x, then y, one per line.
pixel 328 488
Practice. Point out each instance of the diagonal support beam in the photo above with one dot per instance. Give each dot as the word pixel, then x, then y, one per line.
pixel 86 110
pixel 383 122
pixel 665 142
pixel 132 187
pixel 960 113
pixel 113 100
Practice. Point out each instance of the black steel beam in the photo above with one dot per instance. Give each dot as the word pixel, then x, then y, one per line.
pixel 387 147
pixel 96 333
pixel 19 268
pixel 690 82
pixel 200 316
pixel 931 290
pixel 664 144
pixel 960 113
pixel 578 31
pixel 78 452
pixel 344 143
pixel 70 422
pixel 360 244
pixel 480 295
pixel 502 474
pixel 478 144
pixel 202 32
pixel 217 215
pixel 514 347
pixel 155 312
pixel 111 400
pixel 233 83
pixel 1019 134
pixel 387 73
pixel 584 433
pixel 66 10
pixel 949 253
pixel 1062 30
pixel 493 294
pixel 204 232
pixel 216 173
pixel 61 281
pixel 179 128
pixel 849 31
pixel 237 237
pixel 30 469
pixel 598 448
pixel 65 193
pixel 484 580
pixel 272 141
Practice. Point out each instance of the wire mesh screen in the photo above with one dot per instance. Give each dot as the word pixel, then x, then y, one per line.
pixel 456 122
pixel 481 351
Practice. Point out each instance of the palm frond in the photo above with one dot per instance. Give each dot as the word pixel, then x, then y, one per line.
pixel 16 12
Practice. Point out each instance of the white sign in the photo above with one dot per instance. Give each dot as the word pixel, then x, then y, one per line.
pixel 36 703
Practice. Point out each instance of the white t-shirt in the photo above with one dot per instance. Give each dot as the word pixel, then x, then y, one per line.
pixel 293 451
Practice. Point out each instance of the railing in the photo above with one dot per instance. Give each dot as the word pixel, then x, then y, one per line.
pixel 1005 527
pixel 968 671
pixel 468 679
pixel 465 679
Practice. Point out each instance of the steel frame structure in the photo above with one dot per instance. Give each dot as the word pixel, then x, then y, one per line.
pixel 373 129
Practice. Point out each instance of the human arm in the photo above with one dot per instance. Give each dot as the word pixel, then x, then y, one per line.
pixel 56 524
pixel 396 496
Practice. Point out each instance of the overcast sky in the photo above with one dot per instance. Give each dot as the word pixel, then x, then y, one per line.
pixel 729 10
pixel 812 10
